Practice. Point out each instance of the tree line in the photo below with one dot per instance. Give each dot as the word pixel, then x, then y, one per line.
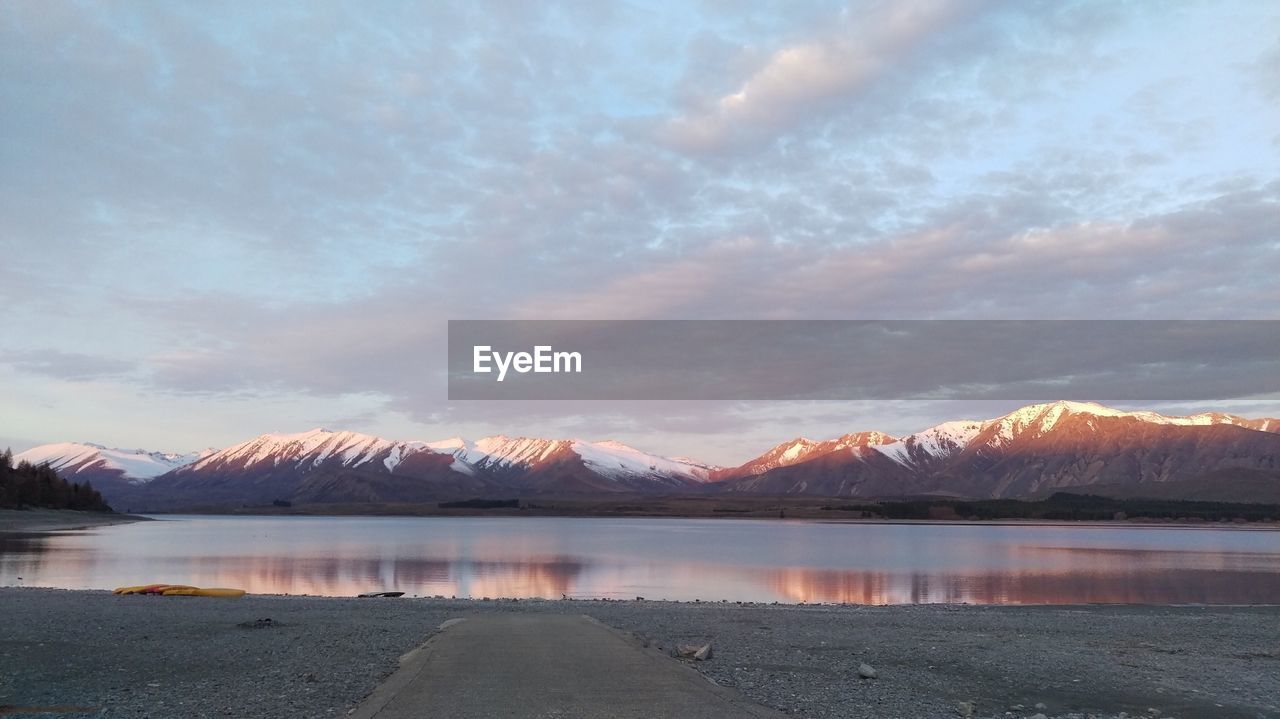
pixel 38 485
pixel 1067 506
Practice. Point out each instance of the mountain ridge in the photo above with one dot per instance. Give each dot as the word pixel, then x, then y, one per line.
pixel 1034 448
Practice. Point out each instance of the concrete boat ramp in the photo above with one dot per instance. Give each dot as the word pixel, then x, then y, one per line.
pixel 552 666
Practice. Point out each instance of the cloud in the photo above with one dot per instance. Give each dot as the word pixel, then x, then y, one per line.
pixel 810 77
pixel 1138 268
pixel 284 205
pixel 70 366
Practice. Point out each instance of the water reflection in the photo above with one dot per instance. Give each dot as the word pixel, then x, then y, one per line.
pixel 663 559
pixel 1135 587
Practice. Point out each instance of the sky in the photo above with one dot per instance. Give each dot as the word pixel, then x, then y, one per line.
pixel 222 221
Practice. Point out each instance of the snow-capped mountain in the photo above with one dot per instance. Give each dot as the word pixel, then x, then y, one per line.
pixel 116 473
pixel 804 449
pixel 1026 452
pixel 607 458
pixel 308 450
pixel 325 466
pixel 84 460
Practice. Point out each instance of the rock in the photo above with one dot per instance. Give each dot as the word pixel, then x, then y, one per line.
pixel 965 709
pixel 698 652
pixel 1152 711
pixel 1041 706
pixel 866 671
pixel 1039 715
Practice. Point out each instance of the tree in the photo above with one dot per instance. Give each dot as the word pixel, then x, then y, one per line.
pixel 38 485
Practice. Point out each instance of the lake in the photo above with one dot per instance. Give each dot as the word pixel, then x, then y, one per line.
pixel 683 559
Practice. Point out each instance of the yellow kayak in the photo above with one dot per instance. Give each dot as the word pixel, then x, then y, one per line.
pixel 202 592
pixel 149 588
pixel 180 590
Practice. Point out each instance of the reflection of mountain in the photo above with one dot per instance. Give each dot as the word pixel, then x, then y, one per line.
pixel 1128 586
pixel 462 558
pixel 336 576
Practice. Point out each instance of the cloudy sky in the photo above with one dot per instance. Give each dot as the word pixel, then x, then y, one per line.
pixel 223 220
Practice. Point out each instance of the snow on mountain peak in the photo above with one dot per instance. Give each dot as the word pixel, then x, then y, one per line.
pixel 312 447
pixel 136 465
pixel 613 444
pixel 1043 417
pixel 1039 419
pixel 607 457
pixel 611 457
pixel 933 443
pixel 795 450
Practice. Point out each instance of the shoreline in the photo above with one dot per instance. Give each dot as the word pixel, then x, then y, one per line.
pixel 60 520
pixel 1060 508
pixel 1140 523
pixel 188 656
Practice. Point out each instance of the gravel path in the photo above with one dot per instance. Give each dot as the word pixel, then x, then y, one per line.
pixel 190 657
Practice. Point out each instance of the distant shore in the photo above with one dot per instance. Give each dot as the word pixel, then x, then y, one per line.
pixel 56 520
pixel 1126 512
pixel 109 655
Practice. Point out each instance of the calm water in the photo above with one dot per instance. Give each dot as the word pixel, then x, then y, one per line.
pixel 786 561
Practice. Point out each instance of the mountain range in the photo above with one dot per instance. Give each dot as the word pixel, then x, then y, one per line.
pixel 1027 453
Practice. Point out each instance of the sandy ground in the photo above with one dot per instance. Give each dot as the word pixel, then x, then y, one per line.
pixel 54 520
pixel 118 656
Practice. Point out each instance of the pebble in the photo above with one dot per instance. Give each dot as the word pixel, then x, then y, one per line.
pixel 780 656
pixel 866 671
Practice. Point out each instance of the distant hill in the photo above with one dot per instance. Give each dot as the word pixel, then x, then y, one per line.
pixel 1029 453
pixel 322 466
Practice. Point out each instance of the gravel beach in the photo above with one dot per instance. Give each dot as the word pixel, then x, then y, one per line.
pixel 87 653
pixel 57 520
